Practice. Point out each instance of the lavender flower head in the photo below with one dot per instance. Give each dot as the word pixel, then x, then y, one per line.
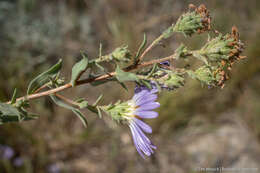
pixel 143 103
pixel 131 113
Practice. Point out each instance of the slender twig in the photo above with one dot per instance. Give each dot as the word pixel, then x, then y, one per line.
pixel 156 41
pixel 42 87
pixel 67 100
pixel 89 80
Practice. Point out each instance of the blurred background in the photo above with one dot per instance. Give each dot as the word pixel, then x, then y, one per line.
pixel 197 127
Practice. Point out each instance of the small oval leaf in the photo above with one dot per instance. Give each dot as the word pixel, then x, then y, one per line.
pixel 78 69
pixel 123 76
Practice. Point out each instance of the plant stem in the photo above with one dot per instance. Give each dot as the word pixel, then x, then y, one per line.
pixel 67 100
pixel 89 80
pixel 156 41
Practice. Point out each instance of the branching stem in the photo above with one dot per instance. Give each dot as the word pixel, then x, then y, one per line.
pixel 89 80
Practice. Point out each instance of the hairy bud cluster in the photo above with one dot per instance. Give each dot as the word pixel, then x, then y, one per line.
pixel 227 48
pixel 196 21
pixel 121 54
pixel 222 50
pixel 167 79
pixel 207 75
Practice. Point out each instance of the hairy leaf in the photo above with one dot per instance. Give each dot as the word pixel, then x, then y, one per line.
pixel 13 100
pixel 10 110
pixel 44 77
pixel 99 112
pixel 78 69
pixel 140 50
pixel 123 76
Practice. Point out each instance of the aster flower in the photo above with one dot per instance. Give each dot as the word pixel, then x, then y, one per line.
pixel 131 113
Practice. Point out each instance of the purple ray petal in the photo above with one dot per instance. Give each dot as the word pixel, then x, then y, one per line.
pixel 145 94
pixel 146 141
pixel 148 106
pixel 140 95
pixel 141 140
pixel 145 127
pixel 134 136
pixel 146 114
pixel 144 137
pixel 154 90
pixel 146 99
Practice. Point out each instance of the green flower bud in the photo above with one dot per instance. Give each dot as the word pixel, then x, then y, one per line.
pixel 227 48
pixel 174 80
pixel 205 75
pixel 119 110
pixel 211 76
pixel 121 54
pixel 168 79
pixel 196 21
pixel 181 51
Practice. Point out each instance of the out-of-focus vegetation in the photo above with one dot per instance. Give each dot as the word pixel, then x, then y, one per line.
pixel 35 34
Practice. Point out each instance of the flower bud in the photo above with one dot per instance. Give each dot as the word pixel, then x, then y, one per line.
pixel 222 48
pixel 211 76
pixel 173 80
pixel 168 79
pixel 196 21
pixel 121 54
pixel 118 111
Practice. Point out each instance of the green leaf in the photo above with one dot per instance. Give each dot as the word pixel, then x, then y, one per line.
pixel 141 48
pixel 80 116
pixel 83 104
pixel 13 100
pixel 92 109
pixel 76 111
pixel 123 76
pixel 152 71
pixel 44 77
pixel 9 110
pixel 158 86
pixel 123 85
pixel 9 118
pixel 99 112
pixel 30 116
pixel 9 113
pixel 78 69
pixel 98 100
pixel 100 67
pixel 146 83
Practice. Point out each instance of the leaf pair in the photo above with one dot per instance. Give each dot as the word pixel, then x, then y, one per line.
pixel 76 111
